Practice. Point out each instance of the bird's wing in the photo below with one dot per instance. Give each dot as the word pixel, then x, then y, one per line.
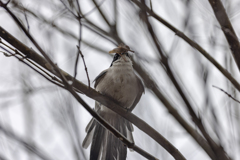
pixel 139 94
pixel 99 78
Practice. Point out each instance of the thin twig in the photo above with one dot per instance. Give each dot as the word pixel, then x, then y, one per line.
pixel 80 24
pixel 102 14
pixel 32 62
pixel 151 5
pixel 43 73
pixel 229 95
pixel 79 46
pixel 102 33
pixel 25 15
pixel 69 9
pixel 85 66
pixel 94 8
pixel 29 65
pixel 75 67
pixel 115 4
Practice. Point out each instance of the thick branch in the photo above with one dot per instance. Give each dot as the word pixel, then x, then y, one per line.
pixel 227 29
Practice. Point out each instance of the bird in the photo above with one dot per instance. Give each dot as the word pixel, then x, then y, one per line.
pixel 120 83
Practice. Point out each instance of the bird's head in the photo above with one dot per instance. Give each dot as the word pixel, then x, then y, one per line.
pixel 121 58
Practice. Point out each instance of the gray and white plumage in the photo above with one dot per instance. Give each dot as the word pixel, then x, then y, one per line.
pixel 118 82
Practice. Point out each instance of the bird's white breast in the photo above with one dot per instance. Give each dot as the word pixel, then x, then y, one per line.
pixel 120 83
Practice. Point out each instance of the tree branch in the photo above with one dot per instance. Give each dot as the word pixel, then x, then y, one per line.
pixel 227 29
pixel 229 95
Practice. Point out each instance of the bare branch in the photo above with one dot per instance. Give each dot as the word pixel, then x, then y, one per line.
pixel 25 15
pixel 43 73
pixel 69 9
pixel 85 66
pixel 92 10
pixel 102 14
pixel 227 29
pixel 229 95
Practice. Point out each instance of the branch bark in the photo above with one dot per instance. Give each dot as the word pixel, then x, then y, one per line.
pixel 227 29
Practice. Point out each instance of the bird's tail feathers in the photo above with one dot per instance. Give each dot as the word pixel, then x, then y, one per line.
pixel 105 146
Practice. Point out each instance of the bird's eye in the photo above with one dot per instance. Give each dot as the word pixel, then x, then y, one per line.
pixel 127 54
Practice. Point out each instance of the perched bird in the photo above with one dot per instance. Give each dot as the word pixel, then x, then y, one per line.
pixel 120 83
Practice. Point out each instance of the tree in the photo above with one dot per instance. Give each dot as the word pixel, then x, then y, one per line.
pixel 182 49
